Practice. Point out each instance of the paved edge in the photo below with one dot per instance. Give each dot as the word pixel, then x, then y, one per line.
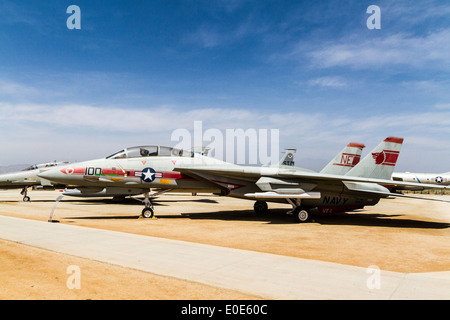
pixel 266 275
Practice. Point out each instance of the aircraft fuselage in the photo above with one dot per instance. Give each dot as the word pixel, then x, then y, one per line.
pixel 129 173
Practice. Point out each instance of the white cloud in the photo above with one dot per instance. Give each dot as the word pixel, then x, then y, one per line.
pixel 393 50
pixel 211 35
pixel 328 82
pixel 406 13
pixel 32 131
pixel 206 37
pixel 16 90
pixel 132 120
pixel 442 106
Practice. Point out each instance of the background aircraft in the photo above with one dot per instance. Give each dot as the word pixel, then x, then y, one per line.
pixel 428 178
pixel 28 178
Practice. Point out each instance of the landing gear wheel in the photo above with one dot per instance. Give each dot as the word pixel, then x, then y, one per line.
pixel 147 213
pixel 260 207
pixel 301 214
pixel 24 192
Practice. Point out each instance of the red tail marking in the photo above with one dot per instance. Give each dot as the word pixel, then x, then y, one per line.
pixel 356 145
pixel 386 157
pixel 348 160
pixel 394 140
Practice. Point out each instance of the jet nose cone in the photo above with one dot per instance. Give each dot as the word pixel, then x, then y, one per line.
pixel 5 179
pixel 52 175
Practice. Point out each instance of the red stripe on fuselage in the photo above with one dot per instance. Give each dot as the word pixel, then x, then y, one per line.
pixel 70 170
pixel 129 173
pixel 172 175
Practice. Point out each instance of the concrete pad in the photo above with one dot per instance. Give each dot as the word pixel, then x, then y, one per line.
pixel 267 275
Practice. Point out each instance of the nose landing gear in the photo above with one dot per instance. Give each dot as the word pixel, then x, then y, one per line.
pixel 148 211
pixel 24 192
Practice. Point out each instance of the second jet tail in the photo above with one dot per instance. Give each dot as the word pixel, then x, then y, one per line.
pixel 288 158
pixel 345 160
pixel 380 162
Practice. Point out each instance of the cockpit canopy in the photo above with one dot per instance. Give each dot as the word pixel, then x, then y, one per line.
pixel 150 151
pixel 45 165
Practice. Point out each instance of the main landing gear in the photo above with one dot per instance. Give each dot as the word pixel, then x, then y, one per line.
pixel 24 192
pixel 300 213
pixel 260 207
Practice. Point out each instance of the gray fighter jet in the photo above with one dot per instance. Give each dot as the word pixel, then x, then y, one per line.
pixel 29 178
pixel 139 170
pixel 344 184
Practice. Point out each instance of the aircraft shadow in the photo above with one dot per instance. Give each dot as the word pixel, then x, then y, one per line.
pixel 279 216
pixel 101 218
pixel 378 220
pixel 275 216
pixel 237 215
pixel 272 217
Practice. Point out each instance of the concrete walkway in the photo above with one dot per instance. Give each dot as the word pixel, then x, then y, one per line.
pixel 266 275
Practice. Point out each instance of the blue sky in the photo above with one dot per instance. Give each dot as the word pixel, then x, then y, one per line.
pixel 138 70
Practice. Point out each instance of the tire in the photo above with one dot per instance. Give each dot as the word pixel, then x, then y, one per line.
pixel 302 215
pixel 26 199
pixel 260 207
pixel 147 213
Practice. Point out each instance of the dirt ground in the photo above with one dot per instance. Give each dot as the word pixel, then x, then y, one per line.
pixel 403 235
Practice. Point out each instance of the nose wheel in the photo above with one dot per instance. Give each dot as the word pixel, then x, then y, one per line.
pixel 148 212
pixel 24 192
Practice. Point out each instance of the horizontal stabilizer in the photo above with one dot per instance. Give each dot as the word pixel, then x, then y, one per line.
pixel 416 197
pixel 365 187
pixel 375 188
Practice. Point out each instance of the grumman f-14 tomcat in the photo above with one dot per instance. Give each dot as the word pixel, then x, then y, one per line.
pixel 344 184
pixel 139 170
pixel 29 178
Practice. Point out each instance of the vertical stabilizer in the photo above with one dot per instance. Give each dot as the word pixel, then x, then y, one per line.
pixel 345 160
pixel 288 158
pixel 380 162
